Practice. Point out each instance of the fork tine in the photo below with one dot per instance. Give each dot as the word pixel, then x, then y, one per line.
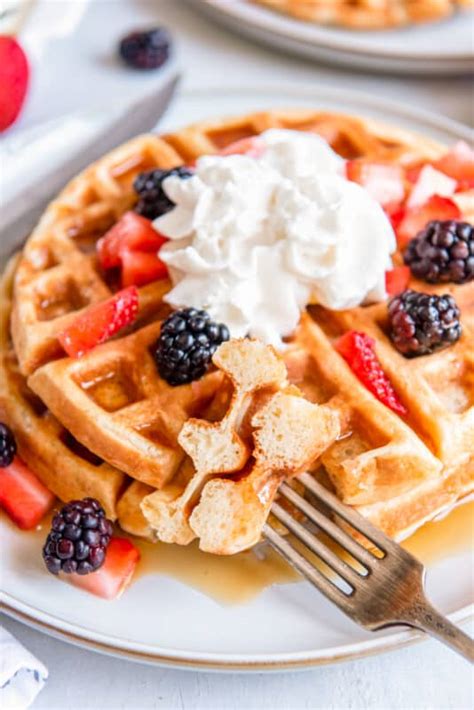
pixel 317 546
pixel 352 517
pixel 301 564
pixel 340 536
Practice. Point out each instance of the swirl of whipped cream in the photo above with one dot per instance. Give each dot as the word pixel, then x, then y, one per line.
pixel 253 240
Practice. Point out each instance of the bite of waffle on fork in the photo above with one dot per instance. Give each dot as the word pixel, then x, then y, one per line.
pixel 113 424
pixel 268 433
pixel 367 14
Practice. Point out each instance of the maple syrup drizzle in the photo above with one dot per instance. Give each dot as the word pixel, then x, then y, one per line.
pixel 240 578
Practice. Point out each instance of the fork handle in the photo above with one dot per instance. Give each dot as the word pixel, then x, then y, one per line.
pixel 425 617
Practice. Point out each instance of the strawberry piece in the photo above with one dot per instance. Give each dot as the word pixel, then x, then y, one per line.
pixel 396 280
pixel 14 77
pixel 458 163
pixel 133 244
pixel 141 268
pixel 110 580
pixel 412 173
pixel 23 496
pixel 416 218
pixel 395 212
pixel 250 146
pixel 132 231
pixel 100 322
pixel 430 182
pixel 384 181
pixel 358 350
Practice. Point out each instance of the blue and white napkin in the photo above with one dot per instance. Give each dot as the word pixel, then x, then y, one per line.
pixel 22 676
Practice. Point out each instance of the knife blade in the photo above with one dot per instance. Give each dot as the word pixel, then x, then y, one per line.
pixel 118 126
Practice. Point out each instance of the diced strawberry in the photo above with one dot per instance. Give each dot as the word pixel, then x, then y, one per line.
pixel 458 163
pixel 110 580
pixel 396 280
pixel 251 146
pixel 141 268
pixel 416 218
pixel 23 496
pixel 133 244
pixel 384 181
pixel 395 212
pixel 132 231
pixel 412 172
pixel 14 78
pixel 358 350
pixel 100 322
pixel 430 182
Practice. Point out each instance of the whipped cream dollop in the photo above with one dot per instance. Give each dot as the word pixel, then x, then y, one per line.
pixel 253 240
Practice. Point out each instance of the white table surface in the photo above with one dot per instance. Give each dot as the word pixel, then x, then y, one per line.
pixel 423 676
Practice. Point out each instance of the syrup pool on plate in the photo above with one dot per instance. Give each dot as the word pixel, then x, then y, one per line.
pixel 239 578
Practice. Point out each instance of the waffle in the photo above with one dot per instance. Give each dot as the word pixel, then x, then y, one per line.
pixel 367 14
pixel 112 401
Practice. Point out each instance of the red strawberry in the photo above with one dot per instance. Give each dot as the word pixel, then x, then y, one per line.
pixel 397 279
pixel 412 173
pixel 395 212
pixel 416 218
pixel 458 164
pixel 384 181
pixel 140 268
pixel 14 75
pixel 100 322
pixel 358 350
pixel 251 146
pixel 110 580
pixel 133 244
pixel 132 231
pixel 23 496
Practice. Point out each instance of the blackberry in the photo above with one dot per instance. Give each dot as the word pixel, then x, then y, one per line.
pixel 7 446
pixel 146 50
pixel 442 251
pixel 421 323
pixel 153 201
pixel 79 537
pixel 187 342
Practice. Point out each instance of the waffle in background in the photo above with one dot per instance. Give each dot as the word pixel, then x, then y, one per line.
pixel 367 14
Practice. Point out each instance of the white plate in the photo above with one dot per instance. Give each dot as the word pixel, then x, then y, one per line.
pixel 162 621
pixel 440 48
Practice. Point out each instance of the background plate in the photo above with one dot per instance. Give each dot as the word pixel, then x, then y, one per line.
pixel 162 621
pixel 440 48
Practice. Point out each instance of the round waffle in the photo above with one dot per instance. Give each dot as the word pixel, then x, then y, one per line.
pixel 115 423
pixel 367 14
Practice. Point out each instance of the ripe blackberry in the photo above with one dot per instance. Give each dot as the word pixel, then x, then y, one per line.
pixel 187 342
pixel 442 251
pixel 7 446
pixel 421 323
pixel 146 50
pixel 153 201
pixel 79 537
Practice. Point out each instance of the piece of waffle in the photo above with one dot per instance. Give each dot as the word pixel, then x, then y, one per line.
pixel 367 14
pixel 268 433
pixel 113 401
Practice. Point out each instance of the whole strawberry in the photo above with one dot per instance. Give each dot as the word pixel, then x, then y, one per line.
pixel 14 76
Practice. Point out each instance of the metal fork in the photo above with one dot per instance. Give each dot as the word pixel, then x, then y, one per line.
pixel 382 587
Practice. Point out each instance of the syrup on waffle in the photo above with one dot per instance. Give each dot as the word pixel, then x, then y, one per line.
pixel 367 14
pixel 113 402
